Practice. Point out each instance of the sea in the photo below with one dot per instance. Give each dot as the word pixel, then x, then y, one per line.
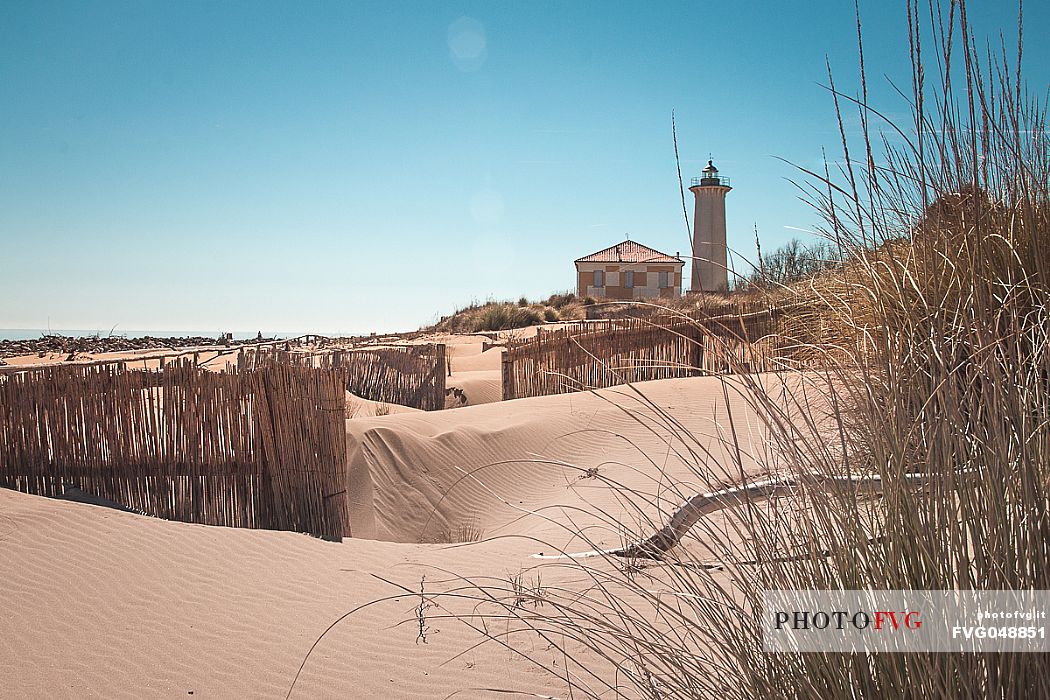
pixel 34 333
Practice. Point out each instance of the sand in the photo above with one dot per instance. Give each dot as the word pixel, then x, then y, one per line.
pixel 101 603
pixel 476 372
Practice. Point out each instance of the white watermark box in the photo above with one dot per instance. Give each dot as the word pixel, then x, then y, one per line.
pixel 906 621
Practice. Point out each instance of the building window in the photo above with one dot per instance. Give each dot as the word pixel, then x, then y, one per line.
pixel 628 279
pixel 599 278
pixel 664 278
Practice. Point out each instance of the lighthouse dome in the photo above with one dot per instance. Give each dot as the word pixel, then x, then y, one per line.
pixel 709 177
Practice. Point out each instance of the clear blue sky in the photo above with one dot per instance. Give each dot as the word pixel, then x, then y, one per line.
pixel 367 166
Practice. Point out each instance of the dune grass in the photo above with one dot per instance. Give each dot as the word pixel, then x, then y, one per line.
pixel 506 315
pixel 934 338
pixel 934 346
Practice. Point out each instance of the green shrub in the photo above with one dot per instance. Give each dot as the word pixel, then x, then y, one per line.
pixel 499 317
pixel 561 300
pixel 791 263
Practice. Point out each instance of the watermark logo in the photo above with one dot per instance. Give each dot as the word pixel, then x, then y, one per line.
pixel 905 621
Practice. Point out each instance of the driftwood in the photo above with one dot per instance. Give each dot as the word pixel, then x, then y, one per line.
pixel 700 505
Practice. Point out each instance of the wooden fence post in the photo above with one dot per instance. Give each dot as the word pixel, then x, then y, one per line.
pixel 184 443
pixel 696 356
pixel 507 367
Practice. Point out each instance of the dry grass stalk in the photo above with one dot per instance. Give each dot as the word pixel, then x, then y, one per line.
pixel 936 338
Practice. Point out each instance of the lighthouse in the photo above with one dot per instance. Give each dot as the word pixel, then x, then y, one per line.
pixel 710 256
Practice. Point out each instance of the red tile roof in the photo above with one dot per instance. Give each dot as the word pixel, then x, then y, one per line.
pixel 630 252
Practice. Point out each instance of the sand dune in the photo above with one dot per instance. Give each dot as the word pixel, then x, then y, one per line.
pixel 108 604
pixel 466 354
pixel 359 407
pixel 484 386
pixel 118 605
pixel 428 473
pixel 475 372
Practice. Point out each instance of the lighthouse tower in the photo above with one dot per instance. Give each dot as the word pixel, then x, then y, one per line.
pixel 710 270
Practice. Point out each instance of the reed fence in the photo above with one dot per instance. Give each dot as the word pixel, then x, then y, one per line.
pixel 608 352
pixel 261 448
pixel 408 375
